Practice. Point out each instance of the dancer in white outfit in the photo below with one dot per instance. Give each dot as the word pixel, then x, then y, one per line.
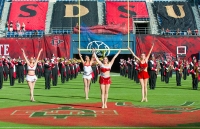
pixel 31 77
pixel 87 73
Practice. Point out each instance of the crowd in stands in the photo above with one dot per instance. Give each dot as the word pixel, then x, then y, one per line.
pixel 179 32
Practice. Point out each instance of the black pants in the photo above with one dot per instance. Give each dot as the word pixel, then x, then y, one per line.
pixel 136 76
pixel 184 73
pixel 167 74
pixel 178 78
pixel 162 75
pixel 1 79
pixel 12 80
pixel 67 76
pixel 152 79
pixel 20 76
pixel 6 72
pixel 47 76
pixel 194 82
pixel 55 77
pixel 40 74
pixel 62 73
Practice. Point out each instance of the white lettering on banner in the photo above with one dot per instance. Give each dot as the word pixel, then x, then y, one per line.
pixel 4 49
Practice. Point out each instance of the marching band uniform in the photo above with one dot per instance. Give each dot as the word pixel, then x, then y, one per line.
pixel 167 70
pixel 129 70
pixel 152 73
pixel 20 70
pixel 185 70
pixel 6 69
pixel 162 70
pixel 62 71
pixel 12 72
pixel 47 75
pixel 193 68
pixel 121 67
pixel 136 71
pixel 68 72
pixel 54 72
pixel 40 69
pixel 177 66
pixel 133 69
pixel 125 68
pixel 94 69
pixel 72 71
pixel 1 73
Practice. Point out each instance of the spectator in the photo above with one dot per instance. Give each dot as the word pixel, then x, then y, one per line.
pixel 20 33
pixel 23 27
pixel 178 32
pixel 11 26
pixel 196 32
pixel 18 26
pixel 189 32
pixel 162 31
pixel 35 34
pixel 6 26
pixel 167 31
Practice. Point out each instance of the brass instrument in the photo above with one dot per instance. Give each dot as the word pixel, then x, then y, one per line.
pixel 169 68
pixel 181 69
pixel 196 71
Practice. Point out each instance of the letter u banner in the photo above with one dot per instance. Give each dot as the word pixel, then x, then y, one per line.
pixel 174 15
pixel 32 14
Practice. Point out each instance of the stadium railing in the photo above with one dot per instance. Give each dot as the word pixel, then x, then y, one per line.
pixel 35 33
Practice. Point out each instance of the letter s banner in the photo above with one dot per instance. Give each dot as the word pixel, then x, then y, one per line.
pixel 117 12
pixel 32 14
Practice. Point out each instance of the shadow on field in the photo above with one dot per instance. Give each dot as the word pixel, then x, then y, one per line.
pixel 176 87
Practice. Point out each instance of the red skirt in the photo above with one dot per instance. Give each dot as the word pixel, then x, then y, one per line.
pixel 104 81
pixel 143 75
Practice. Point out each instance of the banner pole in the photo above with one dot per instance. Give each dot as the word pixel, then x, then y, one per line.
pixel 79 25
pixel 128 23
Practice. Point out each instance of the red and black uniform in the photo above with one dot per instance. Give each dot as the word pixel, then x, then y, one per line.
pixel 47 75
pixel 177 65
pixel 94 69
pixel 137 67
pixel 152 65
pixel 130 70
pixel 72 71
pixel 20 71
pixel 6 69
pixel 40 69
pixel 55 73
pixel 121 68
pixel 194 76
pixel 12 72
pixel 1 73
pixel 68 72
pixel 162 70
pixel 166 65
pixel 185 70
pixel 125 70
pixel 62 69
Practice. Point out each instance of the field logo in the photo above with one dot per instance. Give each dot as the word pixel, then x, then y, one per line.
pixel 56 41
pixel 99 45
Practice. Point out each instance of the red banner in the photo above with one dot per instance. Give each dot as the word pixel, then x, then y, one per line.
pixel 32 14
pixel 117 12
pixel 167 44
pixel 59 45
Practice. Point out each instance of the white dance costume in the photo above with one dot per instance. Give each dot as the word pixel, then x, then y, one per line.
pixel 31 78
pixel 87 72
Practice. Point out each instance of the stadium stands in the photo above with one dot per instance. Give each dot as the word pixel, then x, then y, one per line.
pixel 34 33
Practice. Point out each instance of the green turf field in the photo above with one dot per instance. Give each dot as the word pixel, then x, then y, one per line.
pixel 122 90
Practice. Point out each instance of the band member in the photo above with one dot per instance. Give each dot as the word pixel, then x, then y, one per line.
pixel 143 74
pixel 104 79
pixel 12 72
pixel 162 71
pixel 185 69
pixel 167 68
pixel 130 70
pixel 5 67
pixel 133 69
pixel 40 69
pixel 87 73
pixel 47 74
pixel 54 71
pixel 152 69
pixel 121 67
pixel 193 71
pixel 125 68
pixel 94 69
pixel 20 70
pixel 137 67
pixel 62 69
pixel 178 69
pixel 1 73
pixel 31 77
pixel 68 72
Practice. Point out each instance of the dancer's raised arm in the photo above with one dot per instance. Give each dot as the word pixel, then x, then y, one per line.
pixel 147 58
pixel 28 63
pixel 95 56
pixel 113 59
pixel 38 56
pixel 92 59
pixel 133 54
pixel 80 56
